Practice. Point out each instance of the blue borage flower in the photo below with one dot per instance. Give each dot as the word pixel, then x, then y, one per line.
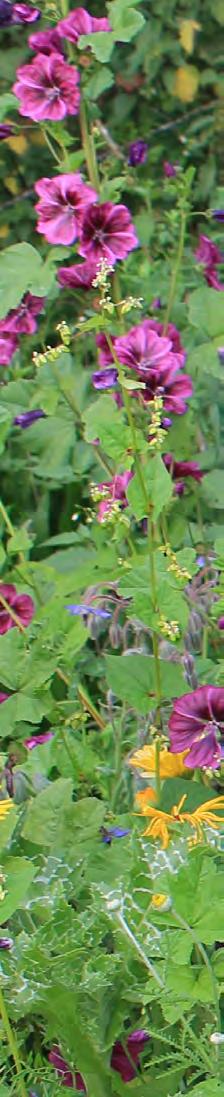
pixel 82 610
pixel 113 832
pixel 218 215
pixel 27 418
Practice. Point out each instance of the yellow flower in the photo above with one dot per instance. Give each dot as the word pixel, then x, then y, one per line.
pixel 5 805
pixel 204 815
pixel 158 900
pixel 171 765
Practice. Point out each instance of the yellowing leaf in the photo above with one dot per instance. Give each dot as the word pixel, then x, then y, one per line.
pixel 11 184
pixel 187 32
pixel 17 144
pixel 4 231
pixel 186 83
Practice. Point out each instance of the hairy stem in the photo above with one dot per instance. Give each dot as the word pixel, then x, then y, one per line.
pixel 12 1043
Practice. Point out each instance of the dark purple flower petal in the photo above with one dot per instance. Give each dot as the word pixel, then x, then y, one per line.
pixel 104 378
pixel 221 623
pixel 218 214
pixel 196 721
pixel 169 170
pixel 5 131
pixel 28 417
pixel 137 153
pixel 6 10
pixel 6 942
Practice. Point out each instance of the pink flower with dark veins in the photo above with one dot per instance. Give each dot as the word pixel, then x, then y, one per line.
pixel 212 278
pixel 8 345
pixel 142 349
pixel 173 334
pixel 197 722
pixel 46 41
pixel 80 22
pixel 22 605
pixel 79 276
pixel 207 252
pixel 47 88
pixel 63 204
pixel 23 319
pixel 115 491
pixel 175 388
pixel 107 232
pixel 181 470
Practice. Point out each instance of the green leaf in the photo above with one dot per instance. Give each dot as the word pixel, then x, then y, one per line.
pixel 105 421
pixel 99 82
pixel 19 874
pixel 159 489
pixel 12 659
pixel 41 823
pixel 213 489
pixel 132 679
pixel 62 1006
pixel 21 269
pixel 7 827
pixel 20 542
pixel 204 359
pixel 125 21
pixel 8 102
pixel 21 708
pixel 206 311
pixel 101 44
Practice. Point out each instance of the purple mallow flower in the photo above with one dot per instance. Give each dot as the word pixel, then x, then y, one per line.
pixel 107 233
pixel 197 724
pixel 46 41
pixel 28 417
pixel 6 942
pixel 137 153
pixel 221 623
pixel 22 321
pixel 79 276
pixel 82 610
pixel 17 13
pixel 63 201
pixel 37 740
pixel 47 88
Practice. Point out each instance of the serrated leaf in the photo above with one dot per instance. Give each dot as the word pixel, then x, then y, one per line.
pixel 206 311
pixel 105 421
pixel 101 44
pixel 19 874
pixel 21 269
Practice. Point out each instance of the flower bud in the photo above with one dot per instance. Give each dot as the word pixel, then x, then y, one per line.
pixel 115 634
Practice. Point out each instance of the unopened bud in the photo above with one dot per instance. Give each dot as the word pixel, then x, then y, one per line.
pixel 115 635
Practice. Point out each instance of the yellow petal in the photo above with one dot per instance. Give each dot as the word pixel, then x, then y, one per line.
pixel 186 83
pixel 5 806
pixel 187 32
pixel 171 765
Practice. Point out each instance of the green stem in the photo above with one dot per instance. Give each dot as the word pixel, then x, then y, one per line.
pixel 12 1043
pixel 7 520
pixel 148 509
pixel 176 269
pixel 88 147
pixel 50 146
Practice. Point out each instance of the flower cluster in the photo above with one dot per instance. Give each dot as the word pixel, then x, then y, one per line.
pixel 209 256
pixel 19 321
